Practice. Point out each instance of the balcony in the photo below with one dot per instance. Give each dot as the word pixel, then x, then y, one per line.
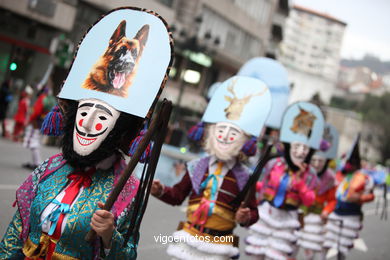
pixel 58 14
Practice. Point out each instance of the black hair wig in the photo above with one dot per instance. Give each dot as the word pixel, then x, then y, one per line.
pixel 291 165
pixel 320 173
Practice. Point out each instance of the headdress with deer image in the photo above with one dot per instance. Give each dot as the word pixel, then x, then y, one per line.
pixel 243 101
pixel 237 104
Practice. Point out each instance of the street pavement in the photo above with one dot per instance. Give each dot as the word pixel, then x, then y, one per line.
pixel 161 219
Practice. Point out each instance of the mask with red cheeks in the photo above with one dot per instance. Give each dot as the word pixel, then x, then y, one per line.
pixel 94 121
pixel 225 141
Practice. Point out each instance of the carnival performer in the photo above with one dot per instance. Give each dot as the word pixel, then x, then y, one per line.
pixel 355 187
pixel 236 111
pixel 288 183
pixel 32 138
pixel 62 199
pixel 311 236
pixel 21 114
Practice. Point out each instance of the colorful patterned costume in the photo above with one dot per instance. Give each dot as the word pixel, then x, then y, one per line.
pixel 24 236
pixel 312 235
pixel 273 235
pixel 345 222
pixel 207 196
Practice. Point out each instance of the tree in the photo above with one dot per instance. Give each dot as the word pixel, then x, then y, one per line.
pixel 376 111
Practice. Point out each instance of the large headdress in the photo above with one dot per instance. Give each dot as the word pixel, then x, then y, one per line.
pixel 242 101
pixel 274 75
pixel 302 122
pixel 123 60
pixel 330 142
pixel 352 159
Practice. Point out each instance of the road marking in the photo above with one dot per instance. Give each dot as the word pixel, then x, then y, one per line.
pixel 8 187
pixel 331 253
pixel 359 244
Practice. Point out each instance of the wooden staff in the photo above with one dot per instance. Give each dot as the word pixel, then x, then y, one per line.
pixel 155 126
pixel 143 193
pixel 250 186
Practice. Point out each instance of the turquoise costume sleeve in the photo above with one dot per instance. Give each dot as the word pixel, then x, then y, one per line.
pixel 11 245
pixel 118 250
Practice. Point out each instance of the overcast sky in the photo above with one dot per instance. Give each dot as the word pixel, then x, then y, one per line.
pixel 368 25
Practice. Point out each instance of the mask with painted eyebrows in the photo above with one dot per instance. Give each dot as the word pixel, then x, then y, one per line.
pixel 94 121
pixel 225 141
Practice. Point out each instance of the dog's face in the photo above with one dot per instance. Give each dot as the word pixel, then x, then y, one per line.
pixel 115 70
pixel 125 53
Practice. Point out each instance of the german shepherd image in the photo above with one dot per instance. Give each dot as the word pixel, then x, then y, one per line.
pixel 115 70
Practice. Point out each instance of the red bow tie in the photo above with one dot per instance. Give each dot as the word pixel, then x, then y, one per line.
pixel 82 178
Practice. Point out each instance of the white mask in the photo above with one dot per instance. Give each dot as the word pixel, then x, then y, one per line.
pixel 94 121
pixel 318 162
pixel 298 152
pixel 225 141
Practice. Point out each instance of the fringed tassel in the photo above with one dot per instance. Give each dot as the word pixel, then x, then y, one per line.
pixel 324 145
pixel 52 124
pixel 250 147
pixel 196 132
pixel 134 145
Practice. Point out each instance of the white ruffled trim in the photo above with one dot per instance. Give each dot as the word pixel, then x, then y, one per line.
pixel 261 228
pixel 346 241
pixel 310 245
pixel 330 226
pixel 274 254
pixel 210 248
pixel 256 241
pixel 253 250
pixel 285 235
pixel 312 219
pixel 316 238
pixel 281 245
pixel 332 244
pixel 278 218
pixel 351 222
pixel 315 229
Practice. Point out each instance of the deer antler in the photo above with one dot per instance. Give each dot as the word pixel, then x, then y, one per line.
pixel 257 94
pixel 231 88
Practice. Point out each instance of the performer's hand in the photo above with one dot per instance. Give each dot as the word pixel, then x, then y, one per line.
pixel 157 188
pixel 354 197
pixel 302 168
pixel 103 224
pixel 243 215
pixel 324 216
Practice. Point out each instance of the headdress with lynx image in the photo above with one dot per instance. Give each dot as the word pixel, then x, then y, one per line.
pixel 303 122
pixel 243 101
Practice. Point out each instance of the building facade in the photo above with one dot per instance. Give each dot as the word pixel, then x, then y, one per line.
pixel 28 33
pixel 277 29
pixel 213 38
pixel 311 52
